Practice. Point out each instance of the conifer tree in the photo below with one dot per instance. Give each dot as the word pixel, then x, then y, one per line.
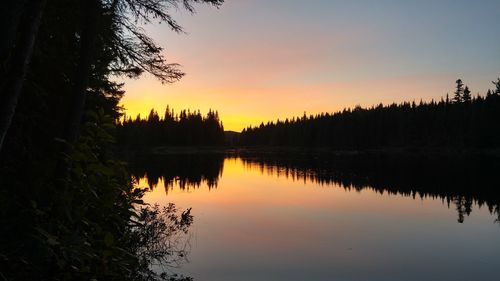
pixel 459 91
pixel 466 97
pixel 497 87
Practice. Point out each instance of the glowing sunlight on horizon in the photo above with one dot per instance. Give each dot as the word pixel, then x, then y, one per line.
pixel 258 61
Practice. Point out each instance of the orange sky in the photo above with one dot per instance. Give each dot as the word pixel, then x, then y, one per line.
pixel 240 107
pixel 255 61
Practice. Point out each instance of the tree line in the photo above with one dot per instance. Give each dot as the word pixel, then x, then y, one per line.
pixel 70 210
pixel 183 129
pixel 462 121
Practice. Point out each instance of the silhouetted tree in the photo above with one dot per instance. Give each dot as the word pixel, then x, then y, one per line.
pixel 92 8
pixel 457 98
pixel 497 87
pixel 16 65
pixel 466 97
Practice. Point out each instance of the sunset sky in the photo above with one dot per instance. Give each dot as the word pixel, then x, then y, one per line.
pixel 260 60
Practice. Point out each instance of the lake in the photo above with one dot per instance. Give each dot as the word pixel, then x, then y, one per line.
pixel 335 218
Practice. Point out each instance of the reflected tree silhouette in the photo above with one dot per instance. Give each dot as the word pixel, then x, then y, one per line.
pixel 459 181
pixel 187 171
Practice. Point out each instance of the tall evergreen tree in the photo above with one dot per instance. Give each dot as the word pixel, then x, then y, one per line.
pixel 466 96
pixel 457 98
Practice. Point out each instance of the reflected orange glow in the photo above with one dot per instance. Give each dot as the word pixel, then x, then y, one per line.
pixel 258 217
pixel 252 188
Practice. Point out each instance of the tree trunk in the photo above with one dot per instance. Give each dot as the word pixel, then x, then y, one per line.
pixel 9 23
pixel 16 73
pixel 82 75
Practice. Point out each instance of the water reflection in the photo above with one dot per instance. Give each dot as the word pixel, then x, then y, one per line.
pixel 460 182
pixel 312 217
pixel 187 171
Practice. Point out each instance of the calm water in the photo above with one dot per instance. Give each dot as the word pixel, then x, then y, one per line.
pixel 265 219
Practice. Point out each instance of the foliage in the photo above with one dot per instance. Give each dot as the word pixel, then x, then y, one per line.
pixel 91 230
pixel 159 238
pixel 132 49
pixel 69 208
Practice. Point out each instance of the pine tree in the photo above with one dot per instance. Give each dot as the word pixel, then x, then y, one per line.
pixel 497 85
pixel 459 91
pixel 466 97
pixel 489 94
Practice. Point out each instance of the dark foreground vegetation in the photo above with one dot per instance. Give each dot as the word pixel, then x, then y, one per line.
pixel 69 209
pixel 460 122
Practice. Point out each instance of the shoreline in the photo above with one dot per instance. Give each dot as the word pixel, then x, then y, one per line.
pixel 325 151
